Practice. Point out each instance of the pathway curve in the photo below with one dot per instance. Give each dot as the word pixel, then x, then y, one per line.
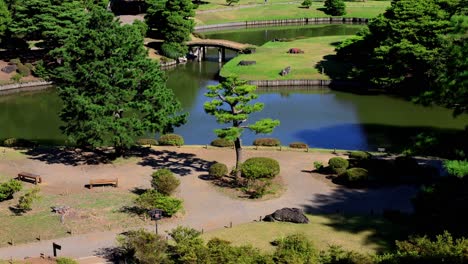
pixel 205 206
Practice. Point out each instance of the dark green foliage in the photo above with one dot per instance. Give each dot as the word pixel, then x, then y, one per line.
pixel 236 95
pixel 295 248
pixel 359 155
pixel 356 175
pixel 25 202
pixel 336 255
pixel 5 18
pixel 298 145
pixel 144 247
pixel 415 250
pixel 147 141
pixel 222 142
pixel 335 7
pixel 439 206
pixel 267 142
pixel 456 168
pixel 229 2
pixel 260 167
pixel 189 246
pixel 306 3
pixel 64 260
pixel 7 189
pixel 152 199
pixel 29 66
pixel 112 92
pixel 338 165
pixel 23 70
pixel 164 181
pixel 318 165
pixel 173 20
pixel 218 170
pixel 171 140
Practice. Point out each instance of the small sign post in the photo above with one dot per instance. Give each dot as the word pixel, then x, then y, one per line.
pixel 156 214
pixel 56 247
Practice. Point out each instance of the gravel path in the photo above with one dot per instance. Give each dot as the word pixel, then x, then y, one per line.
pixel 206 208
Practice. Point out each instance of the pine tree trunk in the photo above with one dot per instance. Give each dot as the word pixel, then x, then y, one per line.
pixel 238 146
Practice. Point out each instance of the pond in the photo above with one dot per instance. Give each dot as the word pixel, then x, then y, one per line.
pixel 320 117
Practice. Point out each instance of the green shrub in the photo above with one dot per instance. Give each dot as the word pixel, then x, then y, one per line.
pixel 173 50
pixel 359 155
pixel 147 141
pixel 16 78
pixel 456 168
pixel 306 3
pixel 222 142
pixel 29 66
pixel 298 145
pixel 18 142
pixel 171 140
pixel 267 142
pixel 260 167
pixel 218 170
pixel 164 181
pixel 356 175
pixel 141 246
pixel 152 199
pixel 7 189
pixel 23 70
pixel 338 164
pixel 63 260
pixel 336 255
pixel 318 165
pixel 25 202
pixel 15 61
pixel 295 248
pixel 258 188
pixel 335 7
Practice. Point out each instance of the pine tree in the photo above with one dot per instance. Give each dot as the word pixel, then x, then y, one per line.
pixel 335 7
pixel 112 92
pixel 231 105
pixel 5 18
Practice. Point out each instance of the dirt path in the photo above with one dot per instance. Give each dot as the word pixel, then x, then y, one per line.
pixel 206 208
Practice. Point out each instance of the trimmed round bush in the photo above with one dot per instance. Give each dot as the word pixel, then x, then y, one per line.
pixel 147 141
pixel 152 199
pixel 359 155
pixel 356 175
pixel 298 145
pixel 63 260
pixel 267 142
pixel 171 140
pixel 15 61
pixel 260 167
pixel 23 70
pixel 218 170
pixel 222 143
pixel 164 181
pixel 338 164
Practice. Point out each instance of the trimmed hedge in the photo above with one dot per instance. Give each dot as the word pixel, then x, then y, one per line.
pixel 147 141
pixel 152 199
pixel 267 142
pixel 222 143
pixel 218 170
pixel 171 140
pixel 260 167
pixel 338 164
pixel 164 181
pixel 359 155
pixel 356 175
pixel 298 145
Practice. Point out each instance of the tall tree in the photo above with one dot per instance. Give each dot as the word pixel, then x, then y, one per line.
pixel 5 18
pixel 174 21
pixel 232 105
pixel 112 92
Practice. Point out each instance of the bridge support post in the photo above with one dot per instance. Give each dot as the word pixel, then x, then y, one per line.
pixel 204 52
pixel 220 55
pixel 223 54
pixel 200 54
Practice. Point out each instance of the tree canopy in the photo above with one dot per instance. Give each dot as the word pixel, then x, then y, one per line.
pixel 112 92
pixel 232 105
pixel 335 7
pixel 5 18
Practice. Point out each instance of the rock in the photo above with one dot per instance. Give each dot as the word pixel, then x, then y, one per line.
pixel 285 71
pixel 295 51
pixel 245 63
pixel 293 215
pixel 9 68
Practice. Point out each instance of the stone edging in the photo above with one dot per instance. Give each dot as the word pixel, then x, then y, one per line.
pixel 298 21
pixel 22 87
pixel 305 82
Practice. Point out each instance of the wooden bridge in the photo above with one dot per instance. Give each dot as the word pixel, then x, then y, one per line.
pixel 221 44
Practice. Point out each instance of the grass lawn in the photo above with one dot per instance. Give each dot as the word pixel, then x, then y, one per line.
pixel 98 210
pixel 219 4
pixel 364 234
pixel 366 9
pixel 272 57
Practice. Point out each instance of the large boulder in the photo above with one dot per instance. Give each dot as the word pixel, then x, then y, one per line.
pixel 293 215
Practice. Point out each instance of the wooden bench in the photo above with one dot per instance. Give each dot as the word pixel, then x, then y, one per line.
pixel 93 182
pixel 29 176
